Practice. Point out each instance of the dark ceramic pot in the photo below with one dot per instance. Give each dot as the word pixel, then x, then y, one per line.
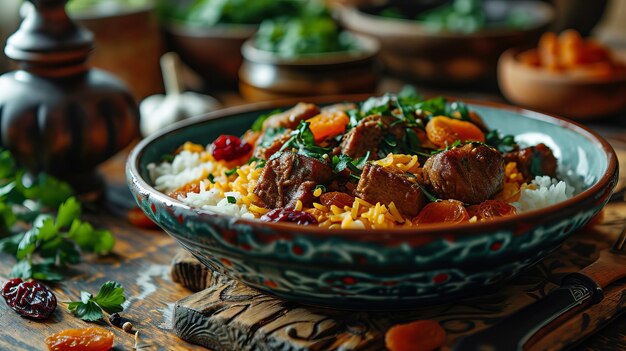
pixel 379 269
pixel 266 75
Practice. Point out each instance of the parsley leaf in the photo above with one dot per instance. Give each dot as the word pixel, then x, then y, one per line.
pixel 231 199
pixel 68 212
pixel 110 299
pixel 503 144
pixel 303 140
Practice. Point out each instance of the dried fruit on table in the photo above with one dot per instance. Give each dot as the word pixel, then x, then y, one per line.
pixel 446 211
pixel 139 219
pixel 86 339
pixel 444 131
pixel 423 335
pixel 29 298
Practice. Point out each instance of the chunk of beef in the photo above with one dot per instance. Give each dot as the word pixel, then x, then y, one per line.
pixel 364 137
pixel 265 151
pixel 336 198
pixel 472 173
pixel 291 177
pixel 384 185
pixel 292 117
pixel 533 161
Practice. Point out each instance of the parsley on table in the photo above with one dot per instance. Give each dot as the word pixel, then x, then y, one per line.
pixel 90 308
pixel 45 243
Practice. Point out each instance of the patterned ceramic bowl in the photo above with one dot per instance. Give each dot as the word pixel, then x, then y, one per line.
pixel 383 269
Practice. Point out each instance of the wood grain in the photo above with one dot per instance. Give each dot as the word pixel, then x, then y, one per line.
pixel 229 315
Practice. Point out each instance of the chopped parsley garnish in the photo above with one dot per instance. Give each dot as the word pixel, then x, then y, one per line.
pixel 231 199
pixel 504 144
pixel 230 172
pixel 211 178
pixel 303 141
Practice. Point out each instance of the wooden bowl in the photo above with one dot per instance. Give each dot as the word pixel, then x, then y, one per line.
pixel 213 52
pixel 378 269
pixel 409 49
pixel 266 75
pixel 559 93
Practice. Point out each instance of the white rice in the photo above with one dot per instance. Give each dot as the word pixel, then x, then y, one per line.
pixel 549 191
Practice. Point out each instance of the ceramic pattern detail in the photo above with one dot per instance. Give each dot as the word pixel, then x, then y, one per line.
pixel 217 244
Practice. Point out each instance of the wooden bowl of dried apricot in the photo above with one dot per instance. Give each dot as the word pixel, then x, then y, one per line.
pixel 565 75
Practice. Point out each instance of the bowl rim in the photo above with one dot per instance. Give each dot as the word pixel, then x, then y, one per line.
pixel 367 49
pixel 434 230
pixel 349 15
pixel 510 60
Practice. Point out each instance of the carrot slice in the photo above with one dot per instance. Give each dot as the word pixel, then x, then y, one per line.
pixel 443 131
pixel 329 124
pixel 446 211
pixel 423 335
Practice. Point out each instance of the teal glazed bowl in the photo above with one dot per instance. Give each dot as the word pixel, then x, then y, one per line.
pixel 379 269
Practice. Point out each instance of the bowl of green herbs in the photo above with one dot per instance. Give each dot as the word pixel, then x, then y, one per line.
pixel 208 34
pixel 456 41
pixel 306 55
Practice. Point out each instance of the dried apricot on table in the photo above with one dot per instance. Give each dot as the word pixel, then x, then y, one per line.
pixel 86 339
pixel 423 335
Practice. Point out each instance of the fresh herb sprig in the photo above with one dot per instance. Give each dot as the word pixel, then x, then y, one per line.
pixel 90 308
pixel 303 141
pixel 43 244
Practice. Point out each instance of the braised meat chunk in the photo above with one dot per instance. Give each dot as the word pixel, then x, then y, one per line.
pixel 534 161
pixel 265 150
pixel 292 117
pixel 384 185
pixel 364 137
pixel 472 173
pixel 289 178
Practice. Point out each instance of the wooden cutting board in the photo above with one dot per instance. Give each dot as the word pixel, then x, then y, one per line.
pixel 227 315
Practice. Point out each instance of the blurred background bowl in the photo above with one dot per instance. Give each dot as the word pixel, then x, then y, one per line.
pixel 579 97
pixel 412 50
pixel 213 52
pixel 266 75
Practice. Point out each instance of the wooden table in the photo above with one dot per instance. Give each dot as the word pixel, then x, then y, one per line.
pixel 141 263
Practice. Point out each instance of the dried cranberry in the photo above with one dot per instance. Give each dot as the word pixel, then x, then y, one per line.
pixel 229 147
pixel 283 215
pixel 29 298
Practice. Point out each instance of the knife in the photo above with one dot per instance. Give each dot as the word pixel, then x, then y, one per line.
pixel 525 328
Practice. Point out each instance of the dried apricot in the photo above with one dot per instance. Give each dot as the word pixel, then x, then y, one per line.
pixel 139 219
pixel 423 335
pixel 328 124
pixel 86 339
pixel 443 131
pixel 490 209
pixel 446 211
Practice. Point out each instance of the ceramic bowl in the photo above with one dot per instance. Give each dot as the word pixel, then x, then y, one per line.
pixel 265 75
pixel 565 94
pixel 381 269
pixel 409 49
pixel 213 52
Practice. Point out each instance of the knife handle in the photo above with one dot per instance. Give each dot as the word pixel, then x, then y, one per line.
pixel 525 327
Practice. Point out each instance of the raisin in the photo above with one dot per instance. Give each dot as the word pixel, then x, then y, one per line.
pixel 86 339
pixel 29 298
pixel 292 216
pixel 229 147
